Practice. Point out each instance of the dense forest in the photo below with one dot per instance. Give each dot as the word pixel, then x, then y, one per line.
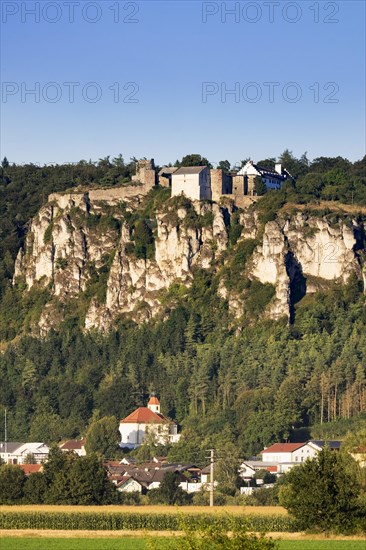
pixel 266 382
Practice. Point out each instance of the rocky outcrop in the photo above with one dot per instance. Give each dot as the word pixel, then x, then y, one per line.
pixel 77 243
pixel 300 251
pixel 135 285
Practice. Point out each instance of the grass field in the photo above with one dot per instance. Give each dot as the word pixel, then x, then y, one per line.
pixel 17 543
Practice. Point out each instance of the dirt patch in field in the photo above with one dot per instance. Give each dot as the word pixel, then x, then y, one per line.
pixel 48 533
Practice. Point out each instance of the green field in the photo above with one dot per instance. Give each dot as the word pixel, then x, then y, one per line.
pixel 34 543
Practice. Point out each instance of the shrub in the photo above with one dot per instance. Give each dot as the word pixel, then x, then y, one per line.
pixel 322 493
pixel 217 535
pixel 47 237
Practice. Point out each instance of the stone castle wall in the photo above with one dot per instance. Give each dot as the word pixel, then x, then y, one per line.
pixel 111 195
pixel 221 184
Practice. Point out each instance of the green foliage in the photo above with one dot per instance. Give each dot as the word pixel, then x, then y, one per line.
pixel 70 479
pixel 260 187
pixel 169 491
pixel 258 296
pixel 234 270
pixel 269 205
pixel 144 241
pixel 216 535
pixel 139 543
pixel 103 437
pixel 193 160
pixel 12 481
pixel 235 228
pixel 47 237
pixel 322 493
pixel 61 263
pixel 20 309
pixel 265 496
pixel 35 488
pixel 142 223
pixel 224 165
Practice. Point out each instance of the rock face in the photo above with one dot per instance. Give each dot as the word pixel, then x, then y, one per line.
pixel 77 243
pixel 301 251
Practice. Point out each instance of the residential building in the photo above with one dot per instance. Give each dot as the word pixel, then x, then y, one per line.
pixel 18 453
pixel 284 456
pixel 29 469
pixel 289 452
pixel 76 446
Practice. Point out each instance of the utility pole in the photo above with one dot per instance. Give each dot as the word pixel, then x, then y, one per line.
pixel 212 483
pixel 6 433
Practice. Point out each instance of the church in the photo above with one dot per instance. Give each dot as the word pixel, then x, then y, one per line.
pixel 147 420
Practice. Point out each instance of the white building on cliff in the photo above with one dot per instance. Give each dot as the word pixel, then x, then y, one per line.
pixel 147 420
pixel 192 181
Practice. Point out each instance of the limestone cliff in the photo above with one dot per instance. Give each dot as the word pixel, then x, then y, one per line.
pixel 82 246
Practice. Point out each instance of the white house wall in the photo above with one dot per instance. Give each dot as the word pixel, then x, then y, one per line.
pixel 194 186
pixel 188 184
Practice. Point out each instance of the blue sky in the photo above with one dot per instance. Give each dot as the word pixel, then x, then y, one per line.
pixel 152 78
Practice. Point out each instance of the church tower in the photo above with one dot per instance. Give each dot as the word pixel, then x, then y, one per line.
pixel 154 403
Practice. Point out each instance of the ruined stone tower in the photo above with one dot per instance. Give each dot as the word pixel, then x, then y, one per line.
pixel 145 172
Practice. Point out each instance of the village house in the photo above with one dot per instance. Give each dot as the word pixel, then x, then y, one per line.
pixel 29 469
pixel 131 477
pixel 192 181
pixel 18 453
pixel 296 452
pixel 76 446
pixel 288 452
pixel 279 458
pixel 147 420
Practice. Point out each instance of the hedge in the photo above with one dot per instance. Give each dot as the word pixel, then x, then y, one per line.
pixel 137 521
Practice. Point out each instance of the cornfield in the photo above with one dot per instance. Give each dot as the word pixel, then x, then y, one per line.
pixel 131 521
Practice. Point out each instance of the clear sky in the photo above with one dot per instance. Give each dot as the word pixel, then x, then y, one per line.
pixel 152 79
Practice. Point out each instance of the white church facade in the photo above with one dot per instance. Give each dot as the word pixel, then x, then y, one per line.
pixel 147 420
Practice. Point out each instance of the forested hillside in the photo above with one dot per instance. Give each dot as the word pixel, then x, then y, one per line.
pixel 249 382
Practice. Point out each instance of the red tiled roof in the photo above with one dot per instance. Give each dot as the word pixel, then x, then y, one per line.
pixel 283 447
pixel 143 415
pixel 73 444
pixel 154 400
pixel 123 480
pixel 31 468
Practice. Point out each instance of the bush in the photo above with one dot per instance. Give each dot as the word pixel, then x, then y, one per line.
pixel 322 493
pixel 217 535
